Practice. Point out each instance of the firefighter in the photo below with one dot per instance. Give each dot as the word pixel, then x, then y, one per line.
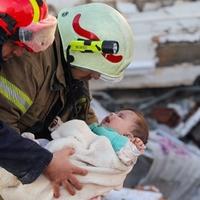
pixel 92 41
pixel 25 24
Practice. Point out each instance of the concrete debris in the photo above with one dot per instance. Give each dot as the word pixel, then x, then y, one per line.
pixel 167 43
pixel 166 116
pixel 127 8
pixel 172 158
pixel 190 123
pixel 136 194
pixel 145 5
pixel 195 136
pixel 175 169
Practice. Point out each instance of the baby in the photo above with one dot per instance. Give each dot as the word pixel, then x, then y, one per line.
pixel 125 130
pixel 108 151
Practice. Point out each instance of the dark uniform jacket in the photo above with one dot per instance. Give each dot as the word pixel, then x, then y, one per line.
pixel 34 89
pixel 32 160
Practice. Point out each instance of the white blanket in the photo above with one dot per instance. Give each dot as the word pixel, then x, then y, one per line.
pixel 94 153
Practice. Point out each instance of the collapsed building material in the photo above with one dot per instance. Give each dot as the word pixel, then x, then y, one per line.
pixel 167 44
pixel 130 194
pixel 166 116
pixel 174 170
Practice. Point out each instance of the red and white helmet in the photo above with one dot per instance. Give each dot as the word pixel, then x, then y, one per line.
pixel 20 20
pixel 20 13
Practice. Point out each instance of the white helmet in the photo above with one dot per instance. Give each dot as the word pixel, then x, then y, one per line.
pixel 98 38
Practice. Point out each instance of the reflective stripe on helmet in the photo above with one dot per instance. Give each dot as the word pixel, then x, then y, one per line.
pixel 14 95
pixel 36 10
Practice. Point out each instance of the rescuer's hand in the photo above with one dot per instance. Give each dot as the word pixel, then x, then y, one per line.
pixel 62 173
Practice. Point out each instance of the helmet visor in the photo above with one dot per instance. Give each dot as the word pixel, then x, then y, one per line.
pixel 39 36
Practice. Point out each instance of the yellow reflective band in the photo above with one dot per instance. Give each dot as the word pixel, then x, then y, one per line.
pixel 36 10
pixel 14 95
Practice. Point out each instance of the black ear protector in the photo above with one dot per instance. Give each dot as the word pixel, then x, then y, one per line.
pixel 70 58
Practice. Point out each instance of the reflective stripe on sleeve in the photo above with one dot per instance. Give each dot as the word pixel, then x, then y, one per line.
pixel 14 95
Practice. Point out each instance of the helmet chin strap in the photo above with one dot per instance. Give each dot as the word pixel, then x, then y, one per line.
pixel 70 58
pixel 3 35
pixel 3 38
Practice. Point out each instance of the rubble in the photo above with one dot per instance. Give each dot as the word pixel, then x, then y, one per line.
pixel 167 43
pixel 166 116
pixel 136 194
pixel 172 159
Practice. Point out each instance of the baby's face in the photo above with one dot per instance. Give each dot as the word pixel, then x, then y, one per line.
pixel 122 121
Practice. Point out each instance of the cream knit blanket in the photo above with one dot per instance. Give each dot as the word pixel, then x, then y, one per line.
pixel 94 153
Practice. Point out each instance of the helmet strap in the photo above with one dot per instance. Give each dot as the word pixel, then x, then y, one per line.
pixel 6 32
pixel 11 23
pixel 75 87
pixel 3 36
pixel 1 56
pixel 70 58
